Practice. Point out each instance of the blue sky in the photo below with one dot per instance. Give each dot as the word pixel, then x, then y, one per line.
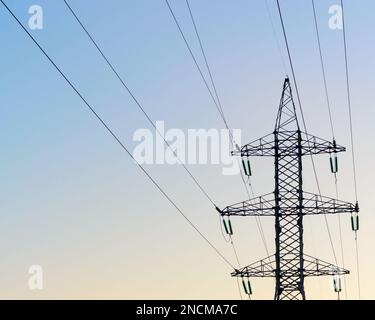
pixel 74 203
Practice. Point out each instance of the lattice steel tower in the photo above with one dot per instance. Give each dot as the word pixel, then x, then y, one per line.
pixel 288 203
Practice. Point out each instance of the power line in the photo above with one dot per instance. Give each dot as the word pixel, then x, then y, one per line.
pixel 205 58
pixel 342 249
pixel 358 269
pixel 230 240
pixel 221 108
pixel 110 64
pixel 349 102
pixel 239 288
pixel 323 70
pixel 216 102
pixel 351 139
pixel 332 128
pixel 304 122
pixel 275 36
pixel 258 222
pixel 199 68
pixel 290 266
pixel 285 70
pixel 142 109
pixel 257 219
pixel 137 102
pixel 114 136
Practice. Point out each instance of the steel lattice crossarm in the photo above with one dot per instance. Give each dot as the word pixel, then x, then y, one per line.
pixel 265 146
pixel 259 206
pixel 311 267
pixel 312 204
pixel 316 204
pixel 288 203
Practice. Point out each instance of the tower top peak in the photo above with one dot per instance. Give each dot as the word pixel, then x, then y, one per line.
pixel 287 116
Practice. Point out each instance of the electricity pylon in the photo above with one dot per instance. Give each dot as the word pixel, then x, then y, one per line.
pixel 288 203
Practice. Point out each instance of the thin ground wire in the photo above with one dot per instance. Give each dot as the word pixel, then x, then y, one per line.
pixel 304 124
pixel 351 139
pixel 276 37
pixel 138 103
pixel 332 130
pixel 198 67
pixel 114 136
pixel 217 103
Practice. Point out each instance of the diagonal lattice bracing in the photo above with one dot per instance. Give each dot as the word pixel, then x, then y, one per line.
pixel 311 145
pixel 312 204
pixel 288 204
pixel 312 267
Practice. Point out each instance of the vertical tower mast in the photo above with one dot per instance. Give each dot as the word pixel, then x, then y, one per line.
pixel 288 203
pixel 288 200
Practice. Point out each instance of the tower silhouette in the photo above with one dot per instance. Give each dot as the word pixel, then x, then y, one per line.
pixel 289 203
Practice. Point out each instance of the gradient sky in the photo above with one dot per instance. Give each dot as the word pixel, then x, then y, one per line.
pixel 75 204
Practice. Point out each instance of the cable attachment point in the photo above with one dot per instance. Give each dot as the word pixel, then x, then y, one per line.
pixel 337 285
pixel 247 287
pixel 228 227
pixel 246 166
pixel 356 207
pixel 334 160
pixel 355 221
